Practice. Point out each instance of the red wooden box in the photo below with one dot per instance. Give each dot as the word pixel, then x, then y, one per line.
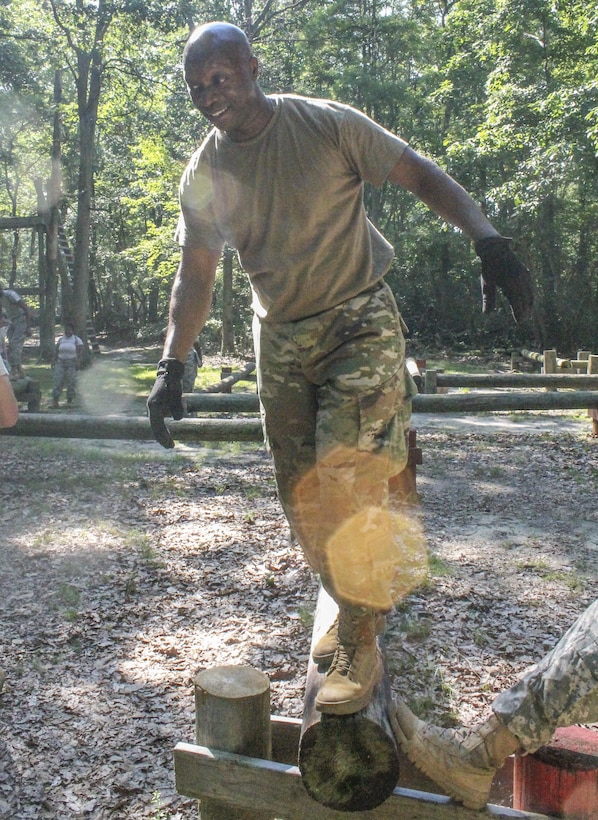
pixel 561 778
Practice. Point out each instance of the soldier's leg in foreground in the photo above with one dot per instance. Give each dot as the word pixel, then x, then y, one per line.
pixel 562 689
pixel 330 388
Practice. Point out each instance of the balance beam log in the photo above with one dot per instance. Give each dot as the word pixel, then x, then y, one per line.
pixel 232 714
pixel 347 762
pixel 133 428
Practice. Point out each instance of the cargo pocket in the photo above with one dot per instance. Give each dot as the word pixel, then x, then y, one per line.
pixel 383 413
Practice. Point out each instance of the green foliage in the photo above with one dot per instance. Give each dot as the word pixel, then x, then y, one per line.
pixel 501 93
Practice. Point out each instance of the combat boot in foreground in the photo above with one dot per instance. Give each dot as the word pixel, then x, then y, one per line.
pixel 356 667
pixel 461 761
pixel 324 649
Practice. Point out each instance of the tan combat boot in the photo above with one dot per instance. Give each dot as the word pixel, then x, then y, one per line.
pixel 324 649
pixel 356 667
pixel 461 761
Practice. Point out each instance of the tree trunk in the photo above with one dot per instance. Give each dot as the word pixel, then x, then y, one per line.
pixel 49 285
pixel 87 125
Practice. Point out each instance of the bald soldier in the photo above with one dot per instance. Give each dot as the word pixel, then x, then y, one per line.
pixel 280 178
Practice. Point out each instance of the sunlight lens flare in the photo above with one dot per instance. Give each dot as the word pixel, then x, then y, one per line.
pixel 377 557
pixel 106 388
pixel 367 546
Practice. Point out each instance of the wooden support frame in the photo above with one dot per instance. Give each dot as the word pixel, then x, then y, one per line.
pixel 347 762
pixel 232 713
pixel 276 789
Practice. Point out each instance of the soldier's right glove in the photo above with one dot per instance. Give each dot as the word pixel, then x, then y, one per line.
pixel 166 399
pixel 502 268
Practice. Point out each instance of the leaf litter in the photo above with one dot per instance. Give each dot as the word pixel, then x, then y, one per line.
pixel 125 570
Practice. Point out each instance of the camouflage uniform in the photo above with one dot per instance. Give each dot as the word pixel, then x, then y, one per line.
pixel 192 363
pixel 561 690
pixel 18 328
pixel 335 412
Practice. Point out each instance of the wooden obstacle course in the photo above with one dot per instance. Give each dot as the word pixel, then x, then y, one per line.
pixel 348 762
pixel 233 785
pixel 137 428
pixel 232 713
pixel 585 362
pixel 252 787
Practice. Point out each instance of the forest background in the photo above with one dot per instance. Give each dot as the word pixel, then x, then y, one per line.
pixel 96 128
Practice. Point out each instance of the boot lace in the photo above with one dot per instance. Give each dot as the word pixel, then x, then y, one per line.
pixel 342 660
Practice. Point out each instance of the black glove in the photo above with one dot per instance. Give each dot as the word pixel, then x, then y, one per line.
pixel 501 268
pixel 166 399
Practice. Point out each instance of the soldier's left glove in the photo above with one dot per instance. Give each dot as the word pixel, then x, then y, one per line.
pixel 166 399
pixel 502 268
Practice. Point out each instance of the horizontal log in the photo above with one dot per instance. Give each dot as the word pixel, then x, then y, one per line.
pixel 223 402
pixel 136 428
pixel 427 403
pixel 225 384
pixel 492 402
pixel 558 380
pixel 539 357
pixel 132 428
pixel 276 788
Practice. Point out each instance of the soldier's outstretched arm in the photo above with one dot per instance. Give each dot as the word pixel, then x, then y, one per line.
pixel 190 303
pixel 442 194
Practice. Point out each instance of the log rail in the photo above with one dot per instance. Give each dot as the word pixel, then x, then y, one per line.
pixel 137 428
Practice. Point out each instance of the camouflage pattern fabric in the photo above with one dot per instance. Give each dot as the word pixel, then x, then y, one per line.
pixel 561 690
pixel 65 375
pixel 335 409
pixel 16 335
pixel 190 372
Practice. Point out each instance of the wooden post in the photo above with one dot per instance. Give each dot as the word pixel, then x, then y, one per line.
pixel 430 381
pixel 403 486
pixel 348 762
pixel 549 365
pixel 225 375
pixel 561 778
pixel 593 411
pixel 232 714
pixel 583 356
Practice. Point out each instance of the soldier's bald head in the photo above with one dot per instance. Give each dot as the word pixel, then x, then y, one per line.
pixel 217 38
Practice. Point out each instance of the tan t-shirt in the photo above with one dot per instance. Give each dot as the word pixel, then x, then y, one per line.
pixel 291 202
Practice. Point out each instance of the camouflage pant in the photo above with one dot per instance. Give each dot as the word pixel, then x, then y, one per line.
pixel 335 410
pixel 190 372
pixel 65 375
pixel 561 690
pixel 16 335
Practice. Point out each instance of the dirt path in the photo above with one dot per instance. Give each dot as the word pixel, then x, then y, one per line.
pixel 126 569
